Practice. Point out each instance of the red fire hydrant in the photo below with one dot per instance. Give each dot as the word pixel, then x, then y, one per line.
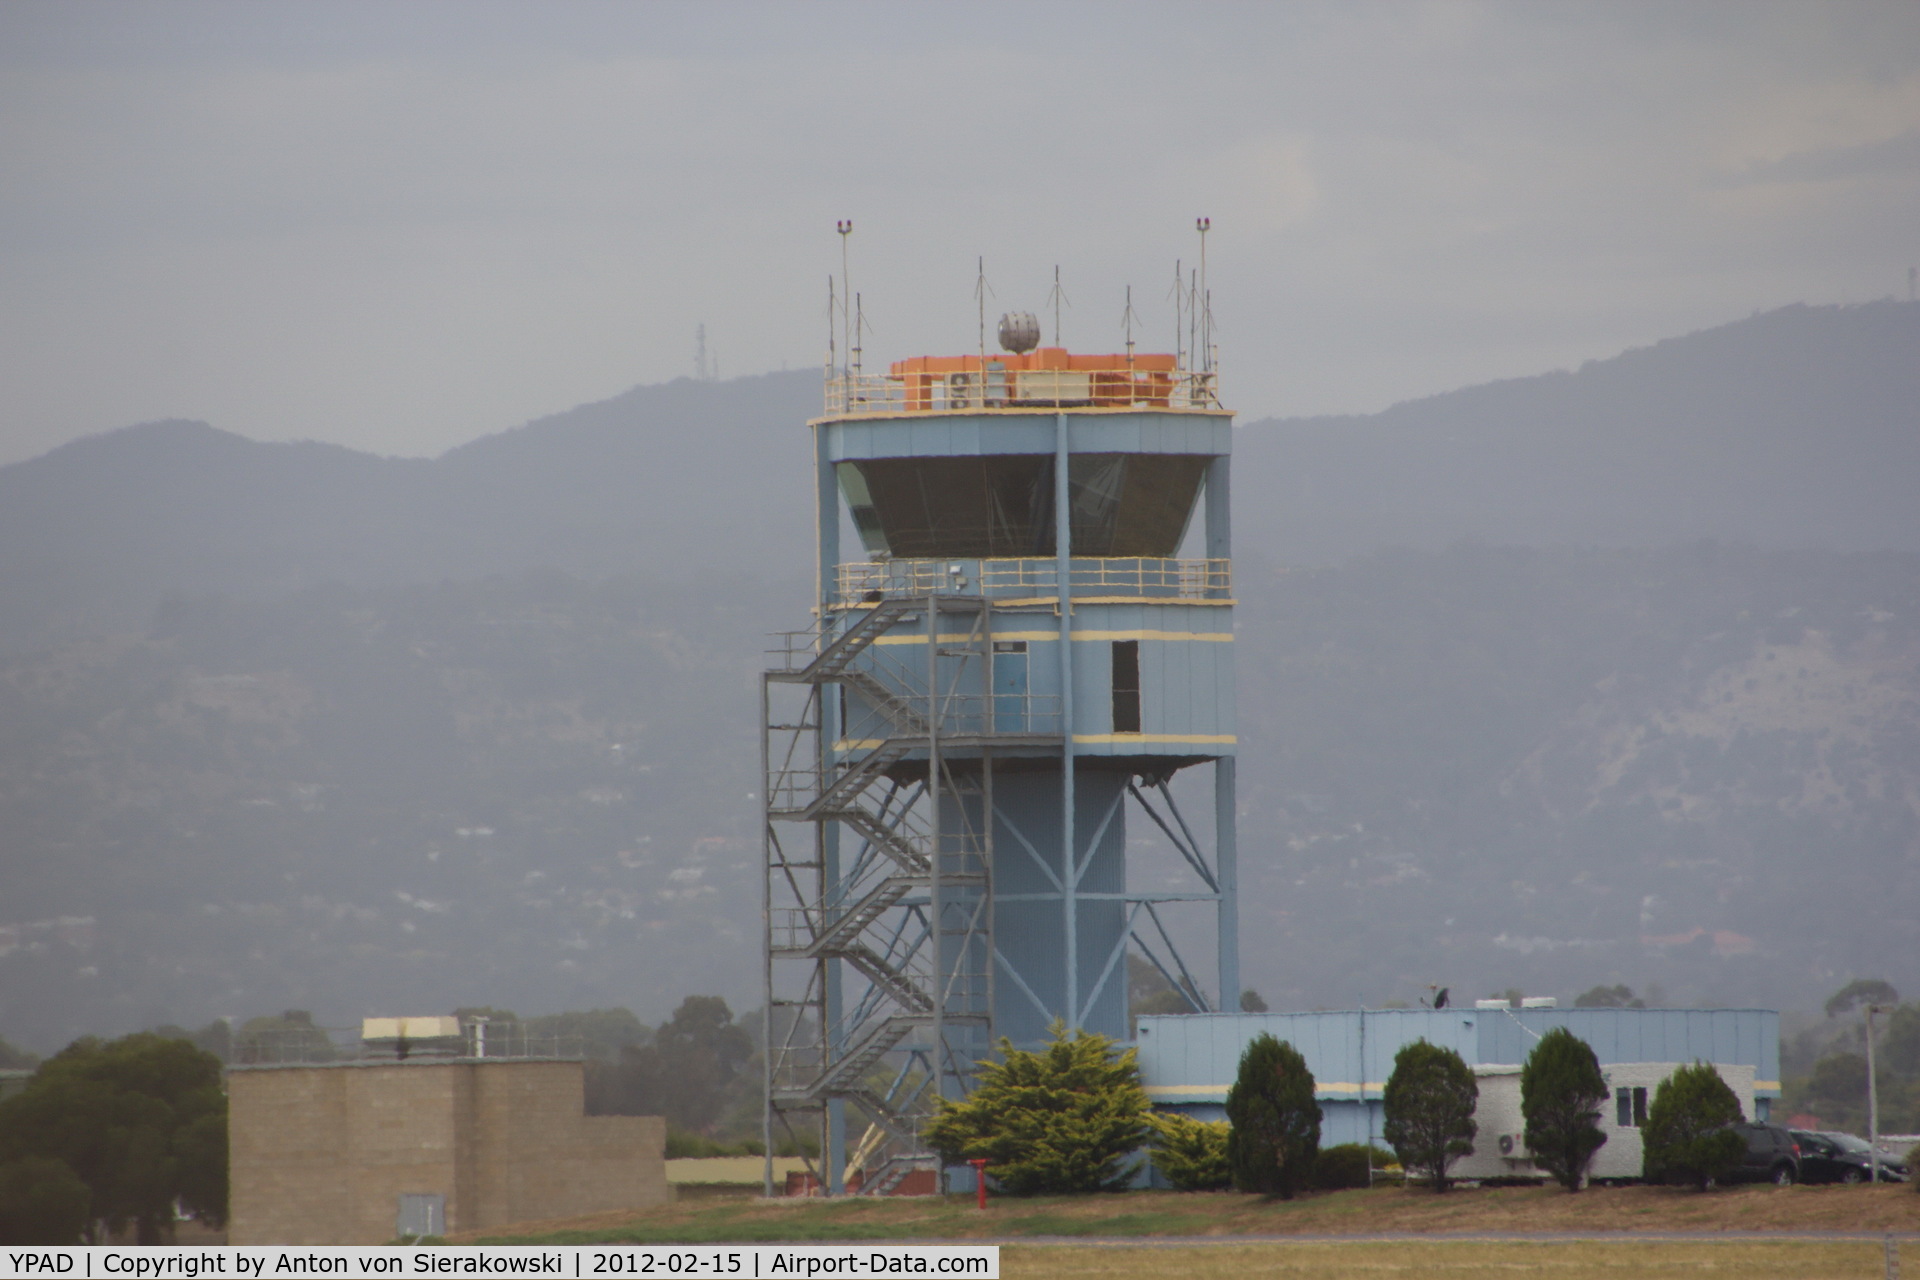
pixel 979 1182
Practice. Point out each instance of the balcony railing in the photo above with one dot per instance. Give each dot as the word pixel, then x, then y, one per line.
pixel 1033 577
pixel 850 394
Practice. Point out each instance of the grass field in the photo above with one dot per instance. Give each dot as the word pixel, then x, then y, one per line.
pixel 1585 1260
pixel 1166 1214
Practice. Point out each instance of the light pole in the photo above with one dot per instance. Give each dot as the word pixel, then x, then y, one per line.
pixel 1873 1097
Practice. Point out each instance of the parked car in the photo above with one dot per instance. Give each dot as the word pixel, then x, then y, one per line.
pixel 1772 1155
pixel 1841 1157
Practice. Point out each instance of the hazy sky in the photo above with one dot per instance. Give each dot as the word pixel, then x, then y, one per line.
pixel 401 225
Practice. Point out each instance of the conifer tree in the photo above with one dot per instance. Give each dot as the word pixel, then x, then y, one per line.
pixel 1056 1122
pixel 1275 1138
pixel 1687 1137
pixel 1561 1092
pixel 1429 1101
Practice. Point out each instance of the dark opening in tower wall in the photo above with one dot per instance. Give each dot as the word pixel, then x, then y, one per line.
pixel 1126 686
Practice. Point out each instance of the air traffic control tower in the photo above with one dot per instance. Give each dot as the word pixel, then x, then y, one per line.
pixel 1006 670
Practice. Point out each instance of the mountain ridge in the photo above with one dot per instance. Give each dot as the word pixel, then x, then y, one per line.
pixel 296 726
pixel 1795 427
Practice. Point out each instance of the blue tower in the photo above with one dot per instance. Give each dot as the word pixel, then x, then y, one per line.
pixel 1012 664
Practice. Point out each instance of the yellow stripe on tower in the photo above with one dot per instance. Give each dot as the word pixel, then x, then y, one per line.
pixel 1156 739
pixel 959 637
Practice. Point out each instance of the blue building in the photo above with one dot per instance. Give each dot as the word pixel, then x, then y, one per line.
pixel 1189 1062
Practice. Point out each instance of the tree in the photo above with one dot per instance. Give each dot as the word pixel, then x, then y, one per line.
pixel 1191 1154
pixel 1149 991
pixel 1561 1093
pixel 141 1121
pixel 1687 1137
pixel 1619 996
pixel 1250 1002
pixel 1429 1102
pixel 41 1202
pixel 690 1072
pixel 1858 992
pixel 1060 1121
pixel 1276 1123
pixel 598 1033
pixel 291 1037
pixel 12 1059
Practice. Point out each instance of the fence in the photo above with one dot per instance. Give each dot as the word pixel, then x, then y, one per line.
pixel 1144 577
pixel 852 394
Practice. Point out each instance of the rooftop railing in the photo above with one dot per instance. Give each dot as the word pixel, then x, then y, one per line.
pixel 1034 577
pixel 851 394
pixel 309 1046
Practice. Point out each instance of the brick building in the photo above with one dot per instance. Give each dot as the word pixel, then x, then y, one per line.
pixel 361 1152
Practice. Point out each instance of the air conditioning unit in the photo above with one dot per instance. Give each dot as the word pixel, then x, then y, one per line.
pixel 1514 1146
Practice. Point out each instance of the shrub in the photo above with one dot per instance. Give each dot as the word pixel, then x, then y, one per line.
pixel 42 1201
pixel 696 1146
pixel 1191 1154
pixel 1561 1092
pixel 1275 1138
pixel 1348 1165
pixel 1056 1122
pixel 1429 1102
pixel 1686 1138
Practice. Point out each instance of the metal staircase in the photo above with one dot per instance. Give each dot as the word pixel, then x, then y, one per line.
pixel 877 943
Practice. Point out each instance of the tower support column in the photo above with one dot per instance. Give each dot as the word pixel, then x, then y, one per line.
pixel 1063 574
pixel 1226 804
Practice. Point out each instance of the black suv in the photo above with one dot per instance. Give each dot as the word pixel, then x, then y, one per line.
pixel 1772 1155
pixel 1841 1157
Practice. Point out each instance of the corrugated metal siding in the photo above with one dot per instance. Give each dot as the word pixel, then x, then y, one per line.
pixel 943 435
pixel 1747 1036
pixel 1192 1060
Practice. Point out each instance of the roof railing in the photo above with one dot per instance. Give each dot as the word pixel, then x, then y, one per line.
pixel 850 394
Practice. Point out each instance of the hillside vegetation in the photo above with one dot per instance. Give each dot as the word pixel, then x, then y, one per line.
pixel 288 726
pixel 1518 768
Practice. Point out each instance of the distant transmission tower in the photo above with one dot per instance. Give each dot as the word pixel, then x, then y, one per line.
pixel 700 352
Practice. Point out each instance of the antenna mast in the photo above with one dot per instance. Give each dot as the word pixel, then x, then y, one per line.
pixel 1126 322
pixel 1179 317
pixel 980 295
pixel 1205 299
pixel 1193 316
pixel 845 227
pixel 1057 297
pixel 833 351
